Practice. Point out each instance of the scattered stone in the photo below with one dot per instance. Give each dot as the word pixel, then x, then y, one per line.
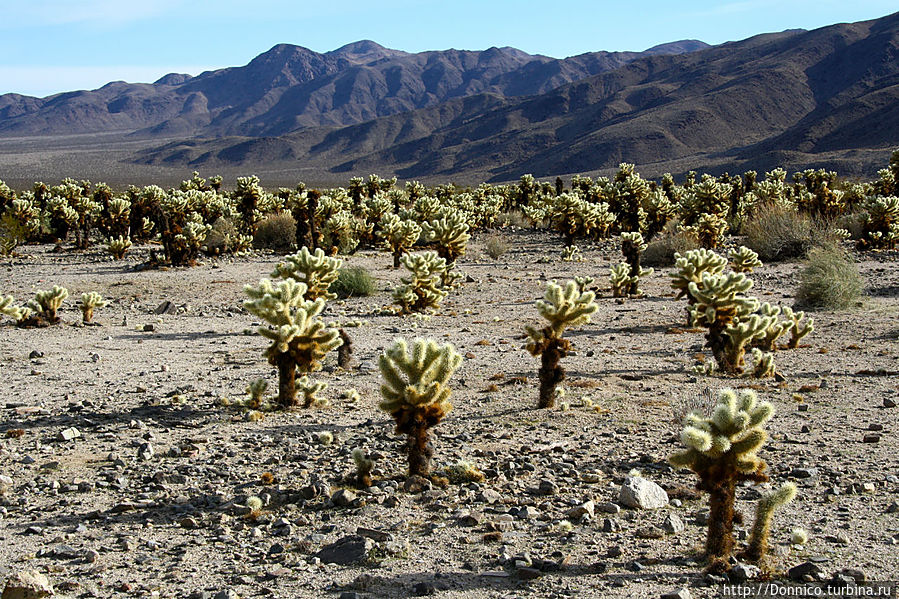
pixel 609 508
pixel 70 434
pixel 352 549
pixel 850 576
pixel 639 493
pixel 27 584
pixel 547 487
pixel 528 573
pixel 742 572
pixel 678 594
pixel 148 328
pixel 673 524
pixel 376 535
pixel 888 403
pixel 806 572
pixel 804 473
pixel 489 496
pixel 145 451
pixel 189 523
pixel 610 525
pixel 226 594
pixel 423 589
pixel 35 354
pixel 650 532
pixel 5 484
pixel 585 509
pixel 416 484
pixel 872 438
pixel 343 498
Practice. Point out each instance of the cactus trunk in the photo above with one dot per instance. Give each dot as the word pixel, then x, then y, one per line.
pixel 551 373
pixel 287 375
pixel 419 450
pixel 720 541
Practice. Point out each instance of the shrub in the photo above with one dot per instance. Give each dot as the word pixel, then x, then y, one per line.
pixel 661 250
pixel 276 232
pixel 829 280
pixel 780 233
pixel 353 282
pixel 496 246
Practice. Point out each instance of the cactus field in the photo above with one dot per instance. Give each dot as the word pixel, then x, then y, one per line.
pixel 188 413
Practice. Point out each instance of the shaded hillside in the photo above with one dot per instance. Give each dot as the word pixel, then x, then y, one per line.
pixel 794 94
pixel 290 88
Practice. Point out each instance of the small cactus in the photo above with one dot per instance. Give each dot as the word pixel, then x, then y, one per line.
pixel 416 393
pixel 300 340
pixel 7 307
pixel 632 246
pixel 364 465
pixel 310 390
pixel 743 259
pixel 314 269
pixel 721 450
pixel 798 328
pixel 399 235
pixel 424 289
pixel 42 310
pixel 563 308
pixel 620 279
pixel 118 247
pixel 572 253
pixel 450 233
pixel 764 513
pixel 90 302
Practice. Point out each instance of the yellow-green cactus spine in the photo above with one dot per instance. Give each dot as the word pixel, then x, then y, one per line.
pixel 763 364
pixel 690 268
pixel 314 269
pixel 620 279
pixel 90 302
pixel 563 308
pixel 633 246
pixel 764 513
pixel 450 233
pixel 118 247
pixel 399 235
pixel 364 466
pixel 424 289
pixel 722 451
pixel 729 316
pixel 44 307
pixel 300 340
pixel 798 328
pixel 743 259
pixel 768 341
pixel 416 393
pixel 310 390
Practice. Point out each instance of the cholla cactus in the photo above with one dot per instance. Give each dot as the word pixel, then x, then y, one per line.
pixel 763 364
pixel 690 269
pixel 729 316
pixel 620 279
pixel 572 253
pixel 881 228
pixel 743 259
pixel 632 246
pixel 768 341
pixel 721 450
pixel 764 513
pixel 315 270
pixel 399 236
pixel 45 305
pixel 256 392
pixel 310 390
pixel 450 233
pixel 118 247
pixel 798 328
pixel 90 302
pixel 583 283
pixel 118 217
pixel 424 289
pixel 300 339
pixel 416 393
pixel 7 307
pixel 563 308
pixel 364 466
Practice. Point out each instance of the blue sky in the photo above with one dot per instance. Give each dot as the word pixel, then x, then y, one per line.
pixel 48 46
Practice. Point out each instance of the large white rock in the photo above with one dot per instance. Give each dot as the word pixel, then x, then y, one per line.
pixel 639 493
pixel 28 584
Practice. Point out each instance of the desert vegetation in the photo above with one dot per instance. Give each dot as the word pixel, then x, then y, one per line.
pixel 332 254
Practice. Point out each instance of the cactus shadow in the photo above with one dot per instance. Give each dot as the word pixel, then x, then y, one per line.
pixel 91 420
pixel 175 335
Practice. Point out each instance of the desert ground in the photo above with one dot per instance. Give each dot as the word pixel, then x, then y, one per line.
pixel 148 499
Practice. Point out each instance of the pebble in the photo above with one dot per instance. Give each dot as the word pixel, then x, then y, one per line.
pixel 69 434
pixel 579 512
pixel 872 438
pixel 27 584
pixel 683 593
pixel 352 549
pixel 806 572
pixel 145 452
pixel 673 524
pixel 423 589
pixel 888 403
pixel 639 493
pixel 343 498
pixel 609 508
pixel 745 572
pixel 804 473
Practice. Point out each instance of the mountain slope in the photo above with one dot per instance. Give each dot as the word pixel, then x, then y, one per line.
pixel 290 88
pixel 776 98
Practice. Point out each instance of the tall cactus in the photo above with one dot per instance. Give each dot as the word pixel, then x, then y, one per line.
pixel 690 268
pixel 632 246
pixel 314 269
pixel 399 235
pixel 563 308
pixel 450 233
pixel 721 450
pixel 300 340
pixel 416 393
pixel 424 288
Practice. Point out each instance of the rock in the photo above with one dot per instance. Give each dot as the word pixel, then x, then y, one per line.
pixel 350 595
pixel 673 524
pixel 343 498
pixel 376 535
pixel 188 523
pixel 145 451
pixel 547 487
pixel 416 484
pixel 527 573
pixel 70 434
pixel 423 589
pixel 639 493
pixel 27 584
pixel 352 549
pixel 471 519
pixel 5 484
pixel 888 403
pixel 678 594
pixel 742 572
pixel 650 532
pixel 891 509
pixel 226 594
pixel 610 525
pixel 489 496
pixel 872 438
pixel 609 508
pixel 851 576
pixel 804 472
pixel 585 509
pixel 806 572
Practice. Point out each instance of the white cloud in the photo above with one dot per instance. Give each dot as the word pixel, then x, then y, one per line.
pixel 47 80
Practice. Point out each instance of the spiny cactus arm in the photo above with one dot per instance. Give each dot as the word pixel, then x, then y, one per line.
pixel 15 312
pixel 566 307
pixel 761 529
pixel 764 364
pixel 93 300
pixel 744 259
pixel 310 390
pixel 798 328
